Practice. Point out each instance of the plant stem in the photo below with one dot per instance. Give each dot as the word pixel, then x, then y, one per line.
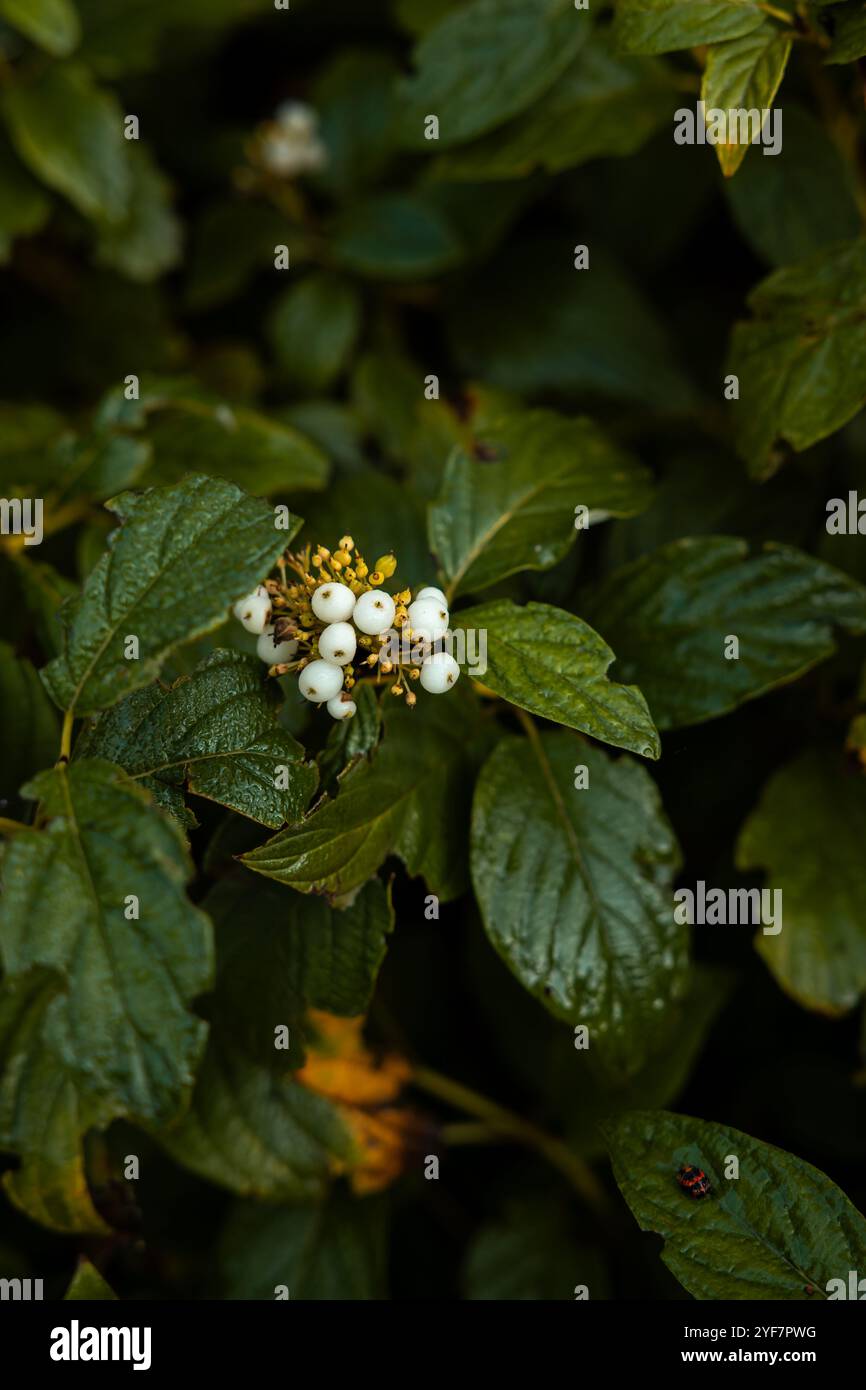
pixel 66 737
pixel 11 827
pixel 506 1124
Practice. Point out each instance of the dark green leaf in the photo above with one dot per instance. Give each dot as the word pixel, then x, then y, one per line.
pixel 658 26
pixel 411 800
pixel 849 35
pixel 486 62
pixel 29 730
pixel 791 206
pixel 603 104
pixel 335 1250
pixel 800 359
pixel 24 207
pixel 516 509
pixel 530 1253
pixel 147 242
pixel 122 1029
pixel 352 738
pixel 554 665
pixel 182 555
pixel 70 134
pixel 214 733
pixel 314 327
pixel 395 236
pixel 576 888
pixel 814 858
pixel 669 615
pixel 779 1229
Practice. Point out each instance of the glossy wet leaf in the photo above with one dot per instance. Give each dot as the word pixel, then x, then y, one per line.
pixel 670 615
pixel 781 1227
pixel 213 733
pixel 744 75
pixel 575 887
pixel 554 665
pixel 513 507
pixel 182 555
pixel 658 26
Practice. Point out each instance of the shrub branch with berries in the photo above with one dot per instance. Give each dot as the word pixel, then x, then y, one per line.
pixel 327 618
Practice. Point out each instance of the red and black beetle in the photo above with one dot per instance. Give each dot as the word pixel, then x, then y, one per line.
pixel 694 1181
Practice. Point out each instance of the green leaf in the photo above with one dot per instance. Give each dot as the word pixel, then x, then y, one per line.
pixel 96 465
pixel 280 955
pixel 314 328
pixel 122 1029
pixel 530 1253
pixel 187 431
pixel 575 888
pixel 849 35
pixel 603 104
pixel 669 615
pixel 394 236
pixel 800 359
pixel 41 592
pixel 744 75
pixel 70 134
pixel 257 1133
pixel 88 1284
pixel 147 242
pixel 562 331
pixel 182 555
pixel 659 26
pixel 779 1228
pixel 516 509
pixel 411 800
pixel 554 665
pixel 815 859
pixel 791 206
pixel 334 1250
pixel 42 1112
pixel 29 731
pixel 52 24
pixel 214 733
pixel 487 62
pixel 24 206
pixel 355 98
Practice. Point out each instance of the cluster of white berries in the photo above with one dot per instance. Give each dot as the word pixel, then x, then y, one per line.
pixel 351 619
pixel 290 144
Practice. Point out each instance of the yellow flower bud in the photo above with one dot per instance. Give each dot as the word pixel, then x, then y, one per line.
pixel 386 565
pixel 361 570
pixel 346 543
pixel 396 690
pixel 386 667
pixel 317 560
pixel 375 579
pixel 336 564
pixel 343 556
pixel 411 698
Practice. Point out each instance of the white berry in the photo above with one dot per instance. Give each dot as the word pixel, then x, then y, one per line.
pixel 254 611
pixel 432 592
pixel 374 612
pixel 338 708
pixel 428 619
pixel 333 602
pixel 274 653
pixel 337 643
pixel 320 681
pixel 439 672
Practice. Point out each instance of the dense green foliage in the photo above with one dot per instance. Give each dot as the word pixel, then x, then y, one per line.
pixel 402 1006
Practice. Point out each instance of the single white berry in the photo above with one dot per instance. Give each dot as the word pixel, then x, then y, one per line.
pixel 439 672
pixel 374 612
pixel 428 619
pixel 254 611
pixel 274 653
pixel 333 602
pixel 340 708
pixel 320 681
pixel 432 592
pixel 337 643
